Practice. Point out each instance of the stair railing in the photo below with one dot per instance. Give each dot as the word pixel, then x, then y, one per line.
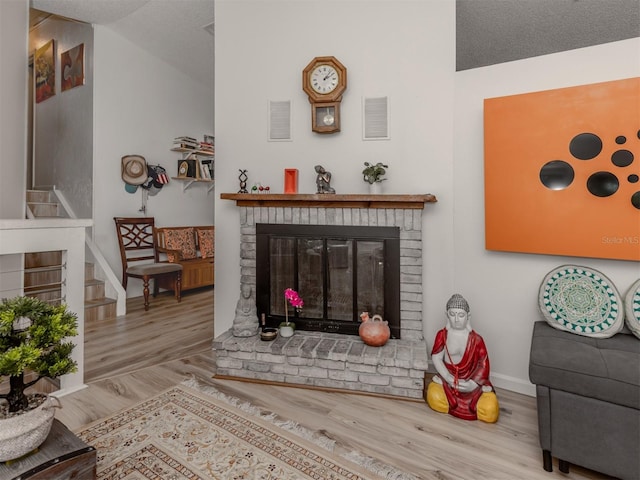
pixel 112 283
pixel 20 236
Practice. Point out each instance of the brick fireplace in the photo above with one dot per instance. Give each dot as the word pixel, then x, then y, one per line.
pixel 330 360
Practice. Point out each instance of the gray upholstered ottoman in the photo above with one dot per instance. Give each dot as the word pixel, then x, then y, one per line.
pixel 588 394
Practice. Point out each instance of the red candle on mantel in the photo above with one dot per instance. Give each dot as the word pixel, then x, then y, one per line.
pixel 290 180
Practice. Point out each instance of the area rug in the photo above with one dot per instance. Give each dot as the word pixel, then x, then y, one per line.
pixel 195 432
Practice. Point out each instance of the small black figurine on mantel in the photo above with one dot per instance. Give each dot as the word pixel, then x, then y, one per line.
pixel 323 180
pixel 243 181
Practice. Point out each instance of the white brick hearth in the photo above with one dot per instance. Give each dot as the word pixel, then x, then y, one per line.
pixel 326 359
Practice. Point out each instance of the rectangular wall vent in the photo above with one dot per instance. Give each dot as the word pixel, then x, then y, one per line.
pixel 279 121
pixel 375 114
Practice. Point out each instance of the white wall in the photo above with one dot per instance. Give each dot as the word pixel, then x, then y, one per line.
pixel 140 105
pixel 403 49
pixel 63 128
pixel 501 287
pixel 14 26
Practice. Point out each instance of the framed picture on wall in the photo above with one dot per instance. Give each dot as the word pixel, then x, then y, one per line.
pixel 72 68
pixel 44 67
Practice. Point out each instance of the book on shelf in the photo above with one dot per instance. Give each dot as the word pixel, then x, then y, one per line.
pixel 190 143
pixel 205 173
pixel 207 168
pixel 186 142
pixel 186 138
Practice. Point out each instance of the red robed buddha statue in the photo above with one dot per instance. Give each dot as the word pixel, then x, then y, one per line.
pixel 461 387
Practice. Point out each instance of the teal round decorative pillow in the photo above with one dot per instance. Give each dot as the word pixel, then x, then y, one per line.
pixel 581 300
pixel 632 308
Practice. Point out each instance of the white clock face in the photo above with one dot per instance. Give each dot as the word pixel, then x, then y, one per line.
pixel 324 79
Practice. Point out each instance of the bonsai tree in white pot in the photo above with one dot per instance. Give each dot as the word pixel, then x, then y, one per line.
pixel 372 174
pixel 33 339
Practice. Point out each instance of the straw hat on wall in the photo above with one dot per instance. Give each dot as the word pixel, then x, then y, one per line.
pixel 134 169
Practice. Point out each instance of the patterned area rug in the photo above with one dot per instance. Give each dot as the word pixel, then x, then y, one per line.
pixel 199 433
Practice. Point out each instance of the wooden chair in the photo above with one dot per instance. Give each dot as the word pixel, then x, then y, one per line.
pixel 140 257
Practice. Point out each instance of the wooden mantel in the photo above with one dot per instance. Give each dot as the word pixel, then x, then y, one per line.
pixel 329 200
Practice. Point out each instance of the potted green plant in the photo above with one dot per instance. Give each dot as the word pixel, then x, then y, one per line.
pixel 33 340
pixel 372 174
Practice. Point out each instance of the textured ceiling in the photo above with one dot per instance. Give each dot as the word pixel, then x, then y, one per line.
pixel 487 31
pixel 172 30
pixel 497 31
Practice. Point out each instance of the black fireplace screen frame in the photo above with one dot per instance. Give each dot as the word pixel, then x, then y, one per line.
pixel 388 236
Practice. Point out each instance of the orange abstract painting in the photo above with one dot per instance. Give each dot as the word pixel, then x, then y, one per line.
pixel 562 171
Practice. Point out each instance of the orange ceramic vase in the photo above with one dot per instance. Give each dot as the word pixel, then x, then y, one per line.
pixel 374 331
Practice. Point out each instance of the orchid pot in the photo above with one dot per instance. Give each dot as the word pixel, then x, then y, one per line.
pixel 287 328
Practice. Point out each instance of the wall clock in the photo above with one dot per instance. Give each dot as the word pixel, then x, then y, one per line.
pixel 324 80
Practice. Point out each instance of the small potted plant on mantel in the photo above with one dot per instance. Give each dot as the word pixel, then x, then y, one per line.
pixel 33 340
pixel 372 174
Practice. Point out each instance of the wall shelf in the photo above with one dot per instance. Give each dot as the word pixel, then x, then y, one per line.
pixel 196 162
pixel 194 151
pixel 189 181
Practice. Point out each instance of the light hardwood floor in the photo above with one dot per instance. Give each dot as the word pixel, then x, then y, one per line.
pixel 134 357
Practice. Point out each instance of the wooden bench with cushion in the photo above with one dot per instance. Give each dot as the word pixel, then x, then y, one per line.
pixel 191 247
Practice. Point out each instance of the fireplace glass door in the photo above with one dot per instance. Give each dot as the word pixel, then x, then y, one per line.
pixel 337 275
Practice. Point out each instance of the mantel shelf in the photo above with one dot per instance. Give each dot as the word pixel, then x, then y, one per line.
pixel 329 200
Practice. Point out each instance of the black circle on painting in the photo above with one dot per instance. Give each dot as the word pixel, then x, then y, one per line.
pixel 633 178
pixel 585 146
pixel 622 158
pixel 603 184
pixel 556 175
pixel 620 139
pixel 635 200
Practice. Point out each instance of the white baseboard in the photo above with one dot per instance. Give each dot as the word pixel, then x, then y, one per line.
pixel 513 384
pixel 66 391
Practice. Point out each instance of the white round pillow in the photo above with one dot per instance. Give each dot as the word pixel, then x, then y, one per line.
pixel 632 308
pixel 581 300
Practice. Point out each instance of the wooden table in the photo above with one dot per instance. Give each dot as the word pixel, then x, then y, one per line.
pixel 62 456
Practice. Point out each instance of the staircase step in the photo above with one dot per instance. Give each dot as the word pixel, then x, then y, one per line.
pixel 89 271
pixel 38 196
pixel 42 276
pixel 54 297
pixel 43 288
pixel 93 289
pixel 44 209
pixel 99 309
pixel 43 259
